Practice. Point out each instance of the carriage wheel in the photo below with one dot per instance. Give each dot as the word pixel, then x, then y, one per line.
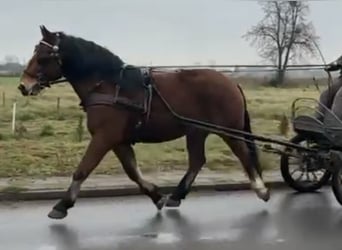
pixel 336 184
pixel 305 176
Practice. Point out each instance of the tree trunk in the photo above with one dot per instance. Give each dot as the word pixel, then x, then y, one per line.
pixel 280 77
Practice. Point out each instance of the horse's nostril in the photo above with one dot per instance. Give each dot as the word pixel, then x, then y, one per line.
pixel 22 90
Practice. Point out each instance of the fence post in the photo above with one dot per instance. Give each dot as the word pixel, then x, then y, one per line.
pixel 3 99
pixel 58 104
pixel 14 116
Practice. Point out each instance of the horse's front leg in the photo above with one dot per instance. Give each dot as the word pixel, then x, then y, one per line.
pixel 97 148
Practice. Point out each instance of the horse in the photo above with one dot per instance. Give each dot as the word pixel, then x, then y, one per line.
pixel 125 104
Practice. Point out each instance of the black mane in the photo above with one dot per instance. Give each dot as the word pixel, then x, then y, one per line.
pixel 82 58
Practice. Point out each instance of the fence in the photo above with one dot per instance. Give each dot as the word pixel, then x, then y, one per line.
pixel 241 67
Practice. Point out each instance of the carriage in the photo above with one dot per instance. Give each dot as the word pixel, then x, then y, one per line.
pixel 321 156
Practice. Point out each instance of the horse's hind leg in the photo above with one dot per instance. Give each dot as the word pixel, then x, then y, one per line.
pixel 248 161
pixel 195 143
pixel 127 158
pixel 97 148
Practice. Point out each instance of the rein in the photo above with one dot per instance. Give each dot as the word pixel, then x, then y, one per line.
pixel 55 82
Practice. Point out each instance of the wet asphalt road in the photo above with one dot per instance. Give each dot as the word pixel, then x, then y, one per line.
pixel 221 220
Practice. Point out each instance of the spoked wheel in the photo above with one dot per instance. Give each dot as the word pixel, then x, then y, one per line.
pixel 336 184
pixel 303 173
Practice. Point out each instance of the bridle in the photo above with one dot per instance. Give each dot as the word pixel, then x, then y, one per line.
pixel 42 82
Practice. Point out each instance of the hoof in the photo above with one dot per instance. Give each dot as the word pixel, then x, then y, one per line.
pixel 161 203
pixel 173 203
pixel 55 214
pixel 263 194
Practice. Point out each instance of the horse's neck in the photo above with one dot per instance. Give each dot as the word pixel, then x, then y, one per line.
pixel 82 88
pixel 80 92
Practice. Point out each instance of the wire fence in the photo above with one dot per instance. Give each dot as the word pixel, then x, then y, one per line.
pixel 292 66
pixel 240 68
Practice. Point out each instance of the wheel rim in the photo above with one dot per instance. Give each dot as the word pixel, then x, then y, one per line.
pixel 303 169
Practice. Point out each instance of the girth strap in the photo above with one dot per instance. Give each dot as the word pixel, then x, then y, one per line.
pixel 110 100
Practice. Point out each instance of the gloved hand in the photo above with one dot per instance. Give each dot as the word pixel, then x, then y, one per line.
pixel 335 65
pixel 332 67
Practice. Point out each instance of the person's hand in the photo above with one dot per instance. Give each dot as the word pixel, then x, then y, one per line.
pixel 332 67
pixel 335 65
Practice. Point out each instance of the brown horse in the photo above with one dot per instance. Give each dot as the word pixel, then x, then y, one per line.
pixel 125 105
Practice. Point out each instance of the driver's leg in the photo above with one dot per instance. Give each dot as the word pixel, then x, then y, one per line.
pixel 336 107
pixel 324 100
pixel 326 96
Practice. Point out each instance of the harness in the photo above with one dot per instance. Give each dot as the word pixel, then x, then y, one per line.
pixel 144 107
pixel 129 77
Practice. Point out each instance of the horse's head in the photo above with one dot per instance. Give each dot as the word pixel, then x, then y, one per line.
pixel 45 66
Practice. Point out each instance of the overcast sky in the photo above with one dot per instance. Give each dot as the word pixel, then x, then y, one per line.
pixel 157 31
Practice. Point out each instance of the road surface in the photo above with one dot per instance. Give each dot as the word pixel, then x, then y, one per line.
pixel 218 220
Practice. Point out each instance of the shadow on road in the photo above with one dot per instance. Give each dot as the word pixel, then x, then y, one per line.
pixel 64 237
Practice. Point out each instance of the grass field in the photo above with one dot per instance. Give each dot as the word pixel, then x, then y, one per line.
pixel 47 142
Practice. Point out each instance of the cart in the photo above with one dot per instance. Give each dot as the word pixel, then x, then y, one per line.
pixel 314 169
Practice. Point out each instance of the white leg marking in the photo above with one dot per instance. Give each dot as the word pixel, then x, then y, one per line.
pixel 144 184
pixel 258 184
pixel 260 189
pixel 147 186
pixel 75 189
pixel 189 179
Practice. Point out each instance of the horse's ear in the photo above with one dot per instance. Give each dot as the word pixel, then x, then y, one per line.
pixel 45 32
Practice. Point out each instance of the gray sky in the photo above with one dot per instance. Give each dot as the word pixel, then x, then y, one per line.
pixel 157 31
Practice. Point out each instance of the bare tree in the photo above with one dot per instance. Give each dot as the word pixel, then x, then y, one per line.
pixel 284 34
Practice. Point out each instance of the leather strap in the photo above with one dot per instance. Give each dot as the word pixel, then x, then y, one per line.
pixel 110 100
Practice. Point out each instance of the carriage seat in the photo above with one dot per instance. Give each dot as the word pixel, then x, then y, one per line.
pixel 305 123
pixel 328 131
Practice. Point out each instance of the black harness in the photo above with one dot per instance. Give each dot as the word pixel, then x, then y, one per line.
pixel 129 77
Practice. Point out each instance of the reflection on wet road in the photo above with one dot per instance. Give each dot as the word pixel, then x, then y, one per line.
pixel 226 220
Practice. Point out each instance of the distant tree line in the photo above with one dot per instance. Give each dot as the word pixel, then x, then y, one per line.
pixel 11 66
pixel 11 69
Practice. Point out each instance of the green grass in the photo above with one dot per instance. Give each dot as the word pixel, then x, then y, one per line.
pixel 47 141
pixel 13 189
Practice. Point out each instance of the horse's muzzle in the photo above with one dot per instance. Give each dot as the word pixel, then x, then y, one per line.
pixel 33 90
pixel 23 90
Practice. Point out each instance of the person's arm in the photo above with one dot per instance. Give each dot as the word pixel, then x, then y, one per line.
pixel 335 65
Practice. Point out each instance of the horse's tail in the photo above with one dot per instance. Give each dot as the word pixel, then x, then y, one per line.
pixel 251 142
